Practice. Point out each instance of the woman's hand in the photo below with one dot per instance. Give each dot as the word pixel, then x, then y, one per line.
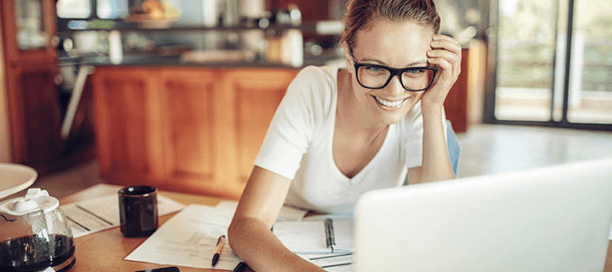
pixel 446 55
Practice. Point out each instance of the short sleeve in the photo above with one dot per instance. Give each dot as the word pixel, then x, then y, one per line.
pixel 292 127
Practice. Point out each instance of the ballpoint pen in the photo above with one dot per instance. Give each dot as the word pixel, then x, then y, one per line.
pixel 240 267
pixel 220 244
pixel 329 234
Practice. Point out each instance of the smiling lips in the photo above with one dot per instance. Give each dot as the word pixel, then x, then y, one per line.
pixel 390 104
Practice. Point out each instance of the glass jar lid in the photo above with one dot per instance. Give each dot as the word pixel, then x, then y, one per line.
pixel 34 200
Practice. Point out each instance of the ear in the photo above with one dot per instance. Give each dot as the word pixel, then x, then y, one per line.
pixel 347 58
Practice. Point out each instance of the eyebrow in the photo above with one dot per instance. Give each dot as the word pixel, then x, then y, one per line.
pixel 413 64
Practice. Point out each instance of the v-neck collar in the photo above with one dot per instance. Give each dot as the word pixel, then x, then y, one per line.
pixel 332 131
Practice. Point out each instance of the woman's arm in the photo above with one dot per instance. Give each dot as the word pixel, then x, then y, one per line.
pixel 446 55
pixel 436 162
pixel 249 233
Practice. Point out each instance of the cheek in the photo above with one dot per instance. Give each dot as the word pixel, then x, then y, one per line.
pixel 363 93
pixel 357 89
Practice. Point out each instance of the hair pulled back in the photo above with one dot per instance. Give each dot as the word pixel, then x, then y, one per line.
pixel 361 13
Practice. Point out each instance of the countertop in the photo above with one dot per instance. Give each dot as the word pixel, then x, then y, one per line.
pixel 139 60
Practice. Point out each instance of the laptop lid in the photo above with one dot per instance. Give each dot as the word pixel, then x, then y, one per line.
pixel 550 219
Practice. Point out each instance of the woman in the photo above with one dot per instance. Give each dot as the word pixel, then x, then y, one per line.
pixel 342 131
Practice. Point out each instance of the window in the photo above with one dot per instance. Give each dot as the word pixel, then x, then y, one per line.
pixel 552 60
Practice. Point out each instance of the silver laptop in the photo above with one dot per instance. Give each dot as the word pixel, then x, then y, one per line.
pixel 550 219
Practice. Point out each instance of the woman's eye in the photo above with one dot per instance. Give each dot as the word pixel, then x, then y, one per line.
pixel 416 71
pixel 373 68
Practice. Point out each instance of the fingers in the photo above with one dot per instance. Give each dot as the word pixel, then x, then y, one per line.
pixel 446 54
pixel 444 60
pixel 442 41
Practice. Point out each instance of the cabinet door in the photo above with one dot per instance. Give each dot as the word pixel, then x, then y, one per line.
pixel 29 30
pixel 127 113
pixel 193 154
pixel 35 115
pixel 257 94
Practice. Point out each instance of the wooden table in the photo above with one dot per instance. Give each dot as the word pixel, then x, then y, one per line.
pixel 107 249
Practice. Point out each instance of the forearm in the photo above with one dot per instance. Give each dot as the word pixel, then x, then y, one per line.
pixel 436 162
pixel 253 241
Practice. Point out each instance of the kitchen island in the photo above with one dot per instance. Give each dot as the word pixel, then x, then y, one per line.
pixel 190 129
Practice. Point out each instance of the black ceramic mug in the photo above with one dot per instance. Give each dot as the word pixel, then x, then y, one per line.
pixel 138 210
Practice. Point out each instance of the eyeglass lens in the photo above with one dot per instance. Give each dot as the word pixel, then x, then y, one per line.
pixel 377 77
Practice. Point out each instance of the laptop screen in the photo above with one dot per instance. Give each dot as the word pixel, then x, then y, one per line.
pixel 550 219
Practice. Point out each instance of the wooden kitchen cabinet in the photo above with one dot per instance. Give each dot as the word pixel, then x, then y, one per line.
pixel 257 94
pixel 191 130
pixel 122 132
pixel 29 27
pixel 35 112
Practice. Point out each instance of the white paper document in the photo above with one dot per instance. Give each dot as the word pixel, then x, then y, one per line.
pixel 101 213
pixel 333 262
pixel 309 236
pixel 189 239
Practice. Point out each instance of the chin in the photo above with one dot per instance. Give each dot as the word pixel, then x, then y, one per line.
pixel 395 118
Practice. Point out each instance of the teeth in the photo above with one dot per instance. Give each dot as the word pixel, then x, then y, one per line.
pixel 390 104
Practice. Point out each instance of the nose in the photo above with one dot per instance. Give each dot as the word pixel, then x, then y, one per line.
pixel 395 86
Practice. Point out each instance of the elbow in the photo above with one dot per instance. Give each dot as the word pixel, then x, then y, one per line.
pixel 233 234
pixel 238 234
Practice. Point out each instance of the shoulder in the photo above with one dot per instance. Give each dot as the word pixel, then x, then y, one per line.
pixel 315 86
pixel 321 77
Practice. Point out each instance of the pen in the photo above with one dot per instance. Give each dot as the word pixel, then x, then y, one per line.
pixel 329 234
pixel 240 267
pixel 220 244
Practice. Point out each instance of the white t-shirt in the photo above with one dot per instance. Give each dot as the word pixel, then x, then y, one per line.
pixel 298 145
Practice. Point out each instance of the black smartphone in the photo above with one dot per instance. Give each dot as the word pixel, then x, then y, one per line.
pixel 162 269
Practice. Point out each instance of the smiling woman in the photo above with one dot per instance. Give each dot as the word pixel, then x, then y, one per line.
pixel 341 131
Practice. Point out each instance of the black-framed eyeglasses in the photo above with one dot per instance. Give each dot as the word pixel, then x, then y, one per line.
pixel 413 79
